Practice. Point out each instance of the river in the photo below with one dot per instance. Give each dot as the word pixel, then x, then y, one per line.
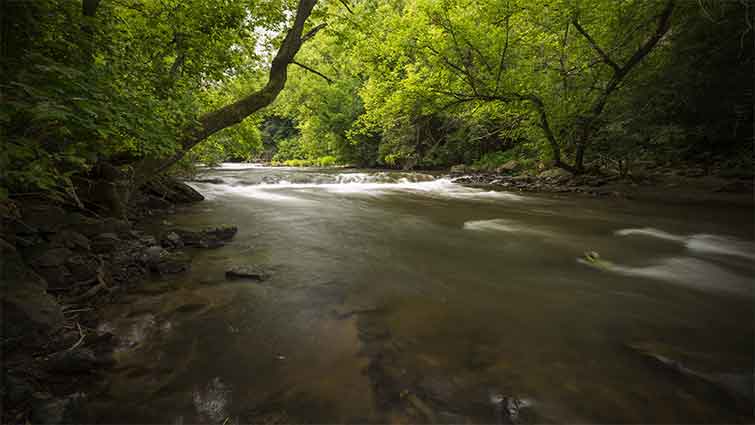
pixel 404 297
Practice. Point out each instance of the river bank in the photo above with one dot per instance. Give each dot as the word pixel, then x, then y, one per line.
pixel 668 188
pixel 387 281
pixel 61 266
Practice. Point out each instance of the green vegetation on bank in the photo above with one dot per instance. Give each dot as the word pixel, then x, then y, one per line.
pixel 146 85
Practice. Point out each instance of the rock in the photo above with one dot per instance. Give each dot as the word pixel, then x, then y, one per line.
pixel 521 179
pixel 72 240
pixel 738 186
pixel 736 387
pixel 148 240
pixel 73 361
pixel 438 389
pixel 556 175
pixel 17 389
pixel 172 190
pixel 508 167
pixel 174 262
pixel 171 240
pixel 427 413
pixel 44 218
pixel 105 242
pixel 163 262
pixel 51 411
pixel 49 263
pixel 247 272
pixel 153 254
pixel 346 311
pixel 91 227
pixel 29 312
pixel 66 410
pixel 211 181
pixel 82 267
pixel 460 169
pixel 207 238
pixel 155 203
pixel 50 257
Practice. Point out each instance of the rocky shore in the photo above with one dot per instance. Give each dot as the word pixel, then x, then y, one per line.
pixel 656 185
pixel 59 265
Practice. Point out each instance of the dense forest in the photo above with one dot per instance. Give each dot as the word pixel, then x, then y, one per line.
pixel 583 85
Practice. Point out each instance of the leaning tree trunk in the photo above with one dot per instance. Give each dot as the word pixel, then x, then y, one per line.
pixel 229 115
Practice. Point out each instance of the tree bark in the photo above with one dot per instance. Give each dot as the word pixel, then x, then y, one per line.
pixel 229 115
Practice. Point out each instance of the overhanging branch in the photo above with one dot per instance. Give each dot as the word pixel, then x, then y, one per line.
pixel 314 71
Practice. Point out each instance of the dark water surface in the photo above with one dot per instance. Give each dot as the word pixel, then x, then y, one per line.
pixel 399 297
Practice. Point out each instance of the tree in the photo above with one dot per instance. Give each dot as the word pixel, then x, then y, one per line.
pixel 481 74
pixel 229 115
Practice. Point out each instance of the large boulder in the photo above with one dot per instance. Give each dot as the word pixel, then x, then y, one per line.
pixel 172 190
pixel 508 167
pixel 44 218
pixel 27 310
pixel 71 240
pixel 556 175
pixel 49 262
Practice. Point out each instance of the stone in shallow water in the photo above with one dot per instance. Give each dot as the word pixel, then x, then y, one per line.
pixel 207 238
pixel 247 272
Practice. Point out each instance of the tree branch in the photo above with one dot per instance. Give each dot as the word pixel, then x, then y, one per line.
pixel 232 114
pixel 607 59
pixel 311 33
pixel 314 71
pixel 346 5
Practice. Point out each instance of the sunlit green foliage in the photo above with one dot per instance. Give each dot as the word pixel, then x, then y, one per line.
pixel 392 83
pixel 425 83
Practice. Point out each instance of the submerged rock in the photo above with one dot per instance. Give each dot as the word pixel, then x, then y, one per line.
pixel 171 240
pixel 206 238
pixel 247 272
pixel 736 387
pixel 162 261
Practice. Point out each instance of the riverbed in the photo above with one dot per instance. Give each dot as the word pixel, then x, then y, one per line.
pixel 405 297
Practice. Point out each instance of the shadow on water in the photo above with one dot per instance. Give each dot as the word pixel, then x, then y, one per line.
pixel 402 297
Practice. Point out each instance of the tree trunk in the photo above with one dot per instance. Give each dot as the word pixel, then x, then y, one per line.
pixel 586 123
pixel 229 115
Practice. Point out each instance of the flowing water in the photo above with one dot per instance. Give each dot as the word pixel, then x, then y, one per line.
pixel 404 297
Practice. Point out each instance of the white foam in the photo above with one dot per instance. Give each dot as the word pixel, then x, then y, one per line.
pixel 684 271
pixel 355 183
pixel 503 225
pixel 702 243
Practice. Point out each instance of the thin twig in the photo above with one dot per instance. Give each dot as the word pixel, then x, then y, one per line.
pixel 81 339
